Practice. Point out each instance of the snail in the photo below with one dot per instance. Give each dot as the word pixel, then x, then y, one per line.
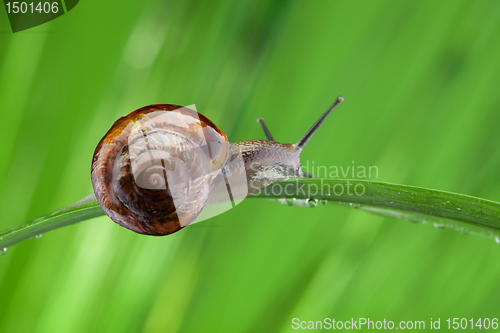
pixel 157 168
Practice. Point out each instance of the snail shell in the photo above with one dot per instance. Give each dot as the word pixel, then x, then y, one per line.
pixel 157 168
pixel 153 170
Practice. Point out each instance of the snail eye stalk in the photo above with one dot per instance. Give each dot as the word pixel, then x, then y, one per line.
pixel 266 131
pixel 302 142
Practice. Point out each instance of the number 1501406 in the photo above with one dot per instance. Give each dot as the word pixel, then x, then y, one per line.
pixel 462 323
pixel 24 7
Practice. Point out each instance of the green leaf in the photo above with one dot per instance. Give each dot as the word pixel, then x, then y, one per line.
pixel 414 204
pixel 84 209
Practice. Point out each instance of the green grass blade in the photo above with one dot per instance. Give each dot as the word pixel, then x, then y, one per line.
pixel 418 205
pixel 414 204
pixel 84 209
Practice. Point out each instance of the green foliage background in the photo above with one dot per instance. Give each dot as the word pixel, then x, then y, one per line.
pixel 420 80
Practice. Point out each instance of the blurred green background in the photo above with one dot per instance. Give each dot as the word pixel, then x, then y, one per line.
pixel 421 83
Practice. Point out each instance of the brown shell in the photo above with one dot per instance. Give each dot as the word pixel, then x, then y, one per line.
pixel 152 171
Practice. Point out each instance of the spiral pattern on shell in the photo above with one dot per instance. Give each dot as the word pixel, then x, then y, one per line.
pixel 152 172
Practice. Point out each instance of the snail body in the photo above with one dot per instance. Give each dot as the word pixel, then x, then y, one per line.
pixel 157 168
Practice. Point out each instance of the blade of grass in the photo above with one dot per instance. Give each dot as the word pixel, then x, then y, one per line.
pixel 418 205
pixel 415 204
pixel 84 209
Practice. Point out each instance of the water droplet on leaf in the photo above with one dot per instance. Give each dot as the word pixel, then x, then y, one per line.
pixel 290 201
pixel 312 203
pixel 38 236
pixel 414 220
pixel 324 202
